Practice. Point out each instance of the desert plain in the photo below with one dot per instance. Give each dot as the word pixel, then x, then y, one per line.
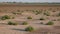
pixel 40 16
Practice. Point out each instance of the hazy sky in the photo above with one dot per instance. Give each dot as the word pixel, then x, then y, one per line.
pixel 30 0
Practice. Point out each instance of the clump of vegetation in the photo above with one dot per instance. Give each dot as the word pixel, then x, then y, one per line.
pixel 29 17
pixel 12 23
pixel 13 17
pixel 58 14
pixel 54 11
pixel 14 13
pixel 47 13
pixel 54 20
pixel 41 19
pixel 50 8
pixel 37 12
pixel 29 29
pixel 18 12
pixel 5 17
pixel 58 19
pixel 50 23
pixel 0 10
pixel 24 23
pixel 41 22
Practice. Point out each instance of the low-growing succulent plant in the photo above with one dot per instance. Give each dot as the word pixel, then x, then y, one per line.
pixel 29 29
pixel 58 14
pixel 54 11
pixel 41 22
pixel 37 12
pixel 15 13
pixel 41 19
pixel 24 23
pixel 47 13
pixel 5 17
pixel 50 23
pixel 29 17
pixel 13 17
pixel 12 23
pixel 18 10
pixel 58 19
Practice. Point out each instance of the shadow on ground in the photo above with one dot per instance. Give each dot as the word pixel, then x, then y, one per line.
pixel 18 29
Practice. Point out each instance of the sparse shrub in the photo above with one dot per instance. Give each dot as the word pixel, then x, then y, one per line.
pixel 50 23
pixel 24 23
pixel 5 17
pixel 9 23
pixel 17 13
pixel 50 8
pixel 41 23
pixel 54 11
pixel 0 10
pixel 58 14
pixel 18 10
pixel 14 13
pixel 54 20
pixel 29 17
pixel 57 8
pixel 29 29
pixel 47 13
pixel 37 12
pixel 13 17
pixel 12 23
pixel 58 19
pixel 41 19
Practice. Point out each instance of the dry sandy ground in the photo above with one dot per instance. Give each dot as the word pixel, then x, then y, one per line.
pixel 40 28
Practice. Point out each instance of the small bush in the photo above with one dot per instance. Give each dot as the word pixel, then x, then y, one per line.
pixel 54 20
pixel 41 23
pixel 29 17
pixel 12 23
pixel 29 29
pixel 18 10
pixel 14 13
pixel 24 23
pixel 58 14
pixel 58 19
pixel 50 23
pixel 47 13
pixel 37 12
pixel 41 19
pixel 13 17
pixel 54 11
pixel 5 17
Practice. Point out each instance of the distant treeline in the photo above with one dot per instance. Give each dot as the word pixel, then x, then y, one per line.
pixel 27 3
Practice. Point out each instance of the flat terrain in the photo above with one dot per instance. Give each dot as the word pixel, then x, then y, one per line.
pixel 24 11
